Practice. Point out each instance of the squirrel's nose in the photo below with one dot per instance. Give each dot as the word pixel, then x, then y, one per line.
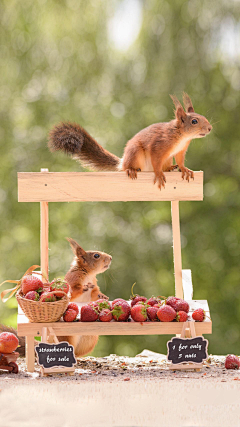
pixel 209 128
pixel 110 257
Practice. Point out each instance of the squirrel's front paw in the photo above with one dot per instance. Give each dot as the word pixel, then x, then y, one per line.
pixel 160 177
pixel 102 296
pixel 132 173
pixel 188 173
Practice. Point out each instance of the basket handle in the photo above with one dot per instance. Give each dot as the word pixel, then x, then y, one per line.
pixel 18 284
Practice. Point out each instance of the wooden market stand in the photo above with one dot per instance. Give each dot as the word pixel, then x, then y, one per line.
pixel 48 186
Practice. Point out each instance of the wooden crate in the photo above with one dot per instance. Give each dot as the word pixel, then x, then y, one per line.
pixel 45 187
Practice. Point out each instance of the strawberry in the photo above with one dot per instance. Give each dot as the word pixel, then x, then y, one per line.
pixel 89 313
pixel 153 301
pixel 172 302
pixel 182 316
pixel 182 305
pixel 136 298
pixel 121 311
pixel 47 297
pixel 152 312
pixel 101 304
pixel 8 342
pixel 33 295
pixel 69 315
pixel 105 315
pixel 139 312
pixel 31 283
pixel 73 306
pixel 117 300
pixel 199 315
pixel 166 313
pixel 59 285
pixel 178 304
pixel 231 362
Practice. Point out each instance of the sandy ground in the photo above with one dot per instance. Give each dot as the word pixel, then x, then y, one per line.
pixel 121 391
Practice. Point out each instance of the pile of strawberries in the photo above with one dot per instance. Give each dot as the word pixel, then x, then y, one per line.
pixel 34 289
pixel 140 309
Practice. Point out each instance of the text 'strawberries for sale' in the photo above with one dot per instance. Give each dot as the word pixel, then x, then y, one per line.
pixel 166 313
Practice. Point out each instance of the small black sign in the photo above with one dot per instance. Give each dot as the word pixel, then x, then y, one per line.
pixel 187 350
pixel 55 355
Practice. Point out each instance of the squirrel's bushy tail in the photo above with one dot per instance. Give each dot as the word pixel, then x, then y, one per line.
pixel 73 139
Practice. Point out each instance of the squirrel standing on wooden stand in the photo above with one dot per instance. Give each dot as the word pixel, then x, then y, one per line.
pixel 84 288
pixel 151 149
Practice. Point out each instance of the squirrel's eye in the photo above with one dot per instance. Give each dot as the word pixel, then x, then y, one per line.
pixel 194 121
pixel 96 256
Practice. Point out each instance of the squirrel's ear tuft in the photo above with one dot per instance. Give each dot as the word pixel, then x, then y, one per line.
pixel 179 112
pixel 187 103
pixel 76 248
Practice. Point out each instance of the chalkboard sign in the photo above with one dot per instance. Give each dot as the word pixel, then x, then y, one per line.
pixel 55 355
pixel 187 350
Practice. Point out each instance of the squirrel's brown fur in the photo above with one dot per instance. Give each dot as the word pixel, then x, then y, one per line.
pixel 151 149
pixel 83 287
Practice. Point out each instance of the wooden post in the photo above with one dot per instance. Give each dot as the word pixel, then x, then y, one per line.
pixel 177 249
pixel 30 353
pixel 44 237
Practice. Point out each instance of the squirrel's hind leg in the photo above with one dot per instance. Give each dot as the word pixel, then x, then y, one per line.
pixel 133 159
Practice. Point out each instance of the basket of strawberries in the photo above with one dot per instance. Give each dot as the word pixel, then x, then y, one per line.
pixel 42 302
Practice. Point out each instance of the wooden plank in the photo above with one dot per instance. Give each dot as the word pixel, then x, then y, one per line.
pixel 44 240
pixel 187 284
pixel 112 328
pixel 105 187
pixel 177 249
pixel 30 354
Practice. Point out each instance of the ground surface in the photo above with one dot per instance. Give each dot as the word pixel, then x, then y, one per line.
pixel 122 391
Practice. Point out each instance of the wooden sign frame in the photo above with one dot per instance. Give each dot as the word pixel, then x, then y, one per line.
pixel 45 187
pixel 49 337
pixel 188 331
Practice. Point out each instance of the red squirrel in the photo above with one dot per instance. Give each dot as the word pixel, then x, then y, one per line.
pixel 151 149
pixel 83 288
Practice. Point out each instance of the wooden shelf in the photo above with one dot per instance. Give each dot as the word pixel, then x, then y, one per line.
pixel 105 187
pixel 116 328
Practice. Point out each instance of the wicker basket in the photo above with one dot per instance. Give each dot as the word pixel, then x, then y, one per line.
pixel 41 312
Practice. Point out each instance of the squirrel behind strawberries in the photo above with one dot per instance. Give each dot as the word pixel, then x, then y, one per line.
pixel 83 288
pixel 151 149
pixel 82 281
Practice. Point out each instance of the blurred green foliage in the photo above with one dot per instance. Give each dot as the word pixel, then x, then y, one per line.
pixel 111 66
